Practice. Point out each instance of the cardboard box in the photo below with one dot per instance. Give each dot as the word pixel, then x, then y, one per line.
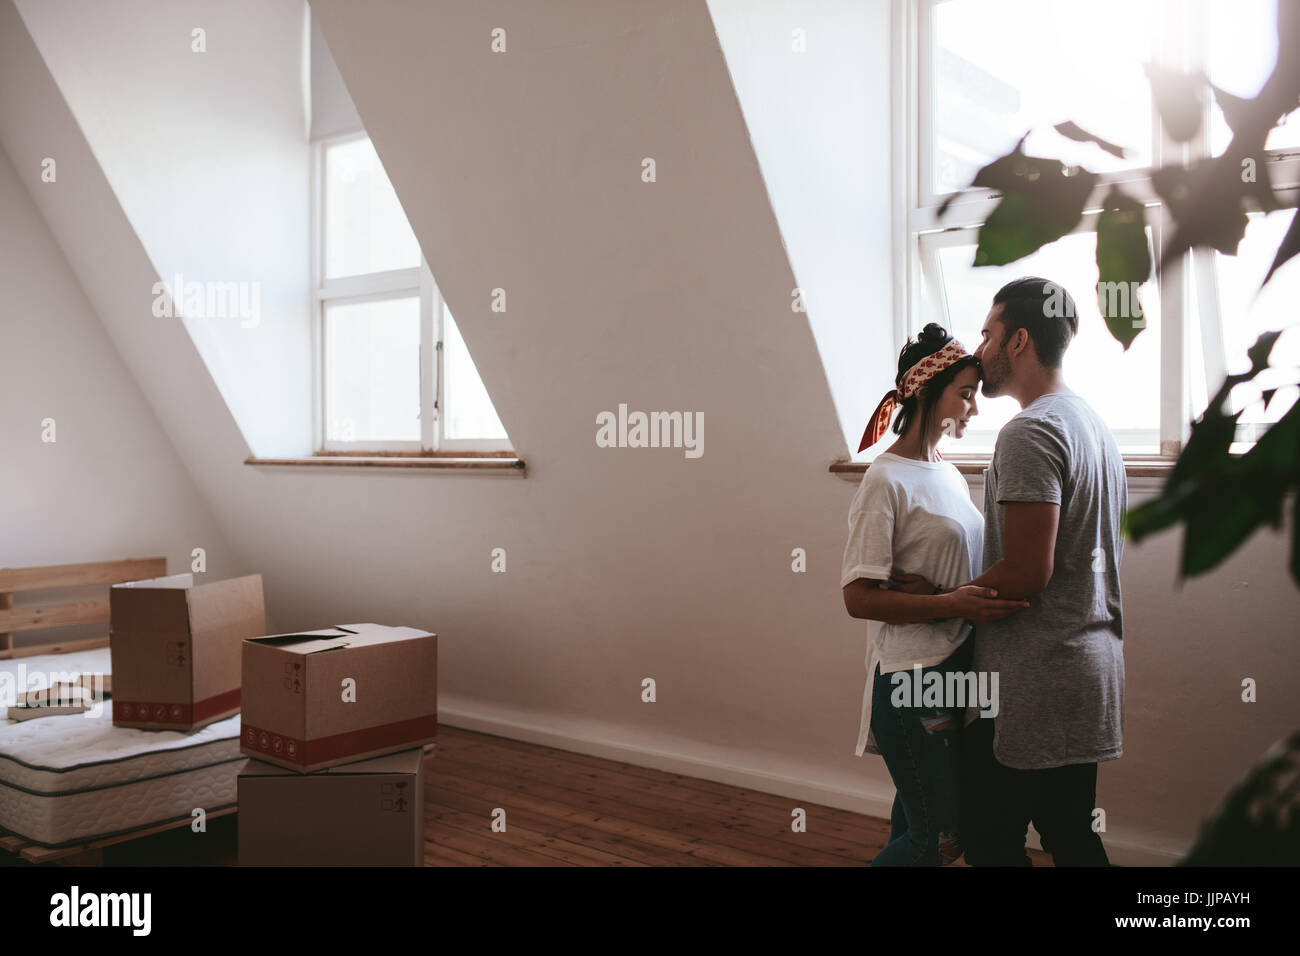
pixel 175 647
pixel 369 813
pixel 322 698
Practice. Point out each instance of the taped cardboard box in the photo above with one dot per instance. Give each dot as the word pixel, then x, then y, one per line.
pixel 175 648
pixel 322 698
pixel 368 813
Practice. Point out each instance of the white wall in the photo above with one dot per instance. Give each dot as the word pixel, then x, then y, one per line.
pixel 110 485
pixel 207 153
pixel 819 121
pixel 522 170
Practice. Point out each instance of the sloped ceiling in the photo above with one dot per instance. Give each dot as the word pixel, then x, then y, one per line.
pixel 522 171
pixel 197 115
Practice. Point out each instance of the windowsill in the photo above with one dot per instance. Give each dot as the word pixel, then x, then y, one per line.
pixel 492 462
pixel 1135 466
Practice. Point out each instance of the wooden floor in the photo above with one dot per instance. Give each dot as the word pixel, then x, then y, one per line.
pixel 569 809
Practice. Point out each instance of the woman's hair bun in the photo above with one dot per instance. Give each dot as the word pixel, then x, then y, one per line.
pixel 933 332
pixel 930 340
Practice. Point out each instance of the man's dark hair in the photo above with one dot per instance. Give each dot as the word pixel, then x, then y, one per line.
pixel 1043 309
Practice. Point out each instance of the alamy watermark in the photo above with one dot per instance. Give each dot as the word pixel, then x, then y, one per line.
pixel 37 688
pixel 209 300
pixel 949 690
pixel 651 430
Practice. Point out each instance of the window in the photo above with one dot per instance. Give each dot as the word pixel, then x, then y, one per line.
pixel 394 373
pixel 980 73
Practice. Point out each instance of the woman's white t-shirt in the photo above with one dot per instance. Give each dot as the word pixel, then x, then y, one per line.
pixel 918 517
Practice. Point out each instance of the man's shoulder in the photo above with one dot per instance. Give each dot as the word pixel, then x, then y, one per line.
pixel 1079 422
pixel 1059 414
pixel 1035 424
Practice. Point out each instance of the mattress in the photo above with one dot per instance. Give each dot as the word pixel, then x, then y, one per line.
pixel 70 779
pixel 40 670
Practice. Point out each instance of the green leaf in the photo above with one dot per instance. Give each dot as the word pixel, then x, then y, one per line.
pixel 1009 233
pixel 1157 514
pixel 1046 204
pixel 1207 446
pixel 1002 173
pixel 1193 481
pixel 1123 264
pixel 1229 516
pixel 1273 462
pixel 1243 493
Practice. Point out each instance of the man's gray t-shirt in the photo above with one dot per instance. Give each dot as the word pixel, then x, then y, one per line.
pixel 1060 661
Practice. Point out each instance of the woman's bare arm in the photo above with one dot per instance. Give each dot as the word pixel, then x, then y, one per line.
pixel 866 598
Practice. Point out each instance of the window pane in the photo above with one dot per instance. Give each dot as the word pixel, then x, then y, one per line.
pixel 1245 316
pixel 1123 387
pixel 365 228
pixel 1003 66
pixel 1241 51
pixel 372 371
pixel 469 412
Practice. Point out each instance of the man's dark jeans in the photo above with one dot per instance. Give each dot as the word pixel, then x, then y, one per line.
pixel 998 804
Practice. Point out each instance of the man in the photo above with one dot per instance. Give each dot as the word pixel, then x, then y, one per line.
pixel 1054 496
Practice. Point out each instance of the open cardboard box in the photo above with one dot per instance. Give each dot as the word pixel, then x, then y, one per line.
pixel 175 648
pixel 322 698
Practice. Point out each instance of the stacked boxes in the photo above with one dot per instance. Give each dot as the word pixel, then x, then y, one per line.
pixel 336 721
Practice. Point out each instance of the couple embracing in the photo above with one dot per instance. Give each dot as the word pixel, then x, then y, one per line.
pixel 1027 592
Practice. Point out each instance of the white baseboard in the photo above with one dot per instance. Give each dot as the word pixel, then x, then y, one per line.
pixel 1125 847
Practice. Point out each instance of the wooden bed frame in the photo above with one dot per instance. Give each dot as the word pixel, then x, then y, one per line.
pixel 92 852
pixel 39 617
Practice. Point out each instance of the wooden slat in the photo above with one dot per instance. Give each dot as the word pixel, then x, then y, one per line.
pixel 76 575
pixel 59 647
pixel 41 854
pixel 53 615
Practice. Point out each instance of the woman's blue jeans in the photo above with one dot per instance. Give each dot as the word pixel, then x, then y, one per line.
pixel 921 746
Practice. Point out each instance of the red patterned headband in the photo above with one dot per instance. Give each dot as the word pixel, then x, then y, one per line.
pixel 916 376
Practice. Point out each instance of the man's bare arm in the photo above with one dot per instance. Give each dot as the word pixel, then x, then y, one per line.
pixel 1029 538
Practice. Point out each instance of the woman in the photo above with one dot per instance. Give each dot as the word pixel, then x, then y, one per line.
pixel 912 522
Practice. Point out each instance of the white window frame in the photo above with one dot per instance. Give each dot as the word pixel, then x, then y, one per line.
pixel 374 287
pixel 919 231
